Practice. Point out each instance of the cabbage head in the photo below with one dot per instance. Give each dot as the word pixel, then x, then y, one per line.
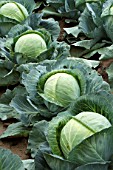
pixel 60 87
pixel 79 128
pixel 65 134
pixel 14 10
pixel 30 44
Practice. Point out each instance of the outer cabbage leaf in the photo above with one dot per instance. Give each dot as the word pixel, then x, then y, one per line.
pixel 35 21
pixel 54 130
pixel 28 113
pixel 98 148
pixel 7 96
pixel 91 22
pixel 15 130
pixel 40 161
pixel 29 6
pixel 39 129
pixel 99 103
pixel 107 17
pixel 62 8
pixel 8 76
pixel 5 25
pixel 7 156
pixel 7 112
pixel 45 160
pixel 29 164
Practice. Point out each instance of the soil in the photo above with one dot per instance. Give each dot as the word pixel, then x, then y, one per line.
pixel 16 145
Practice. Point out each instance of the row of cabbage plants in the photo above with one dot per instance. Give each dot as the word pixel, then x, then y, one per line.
pixel 53 90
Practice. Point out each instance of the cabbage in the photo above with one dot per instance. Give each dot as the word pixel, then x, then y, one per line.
pixel 62 88
pixel 30 45
pixel 14 11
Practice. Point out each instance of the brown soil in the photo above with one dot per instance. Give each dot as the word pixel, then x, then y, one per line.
pixel 16 145
pixel 102 69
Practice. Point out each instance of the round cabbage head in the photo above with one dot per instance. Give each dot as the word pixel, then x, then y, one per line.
pixel 111 10
pixel 14 10
pixel 31 45
pixel 79 128
pixel 62 89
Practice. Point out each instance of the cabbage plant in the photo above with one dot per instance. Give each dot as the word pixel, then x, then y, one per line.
pixel 76 142
pixel 14 12
pixel 73 132
pixel 63 85
pixel 30 43
pixel 26 45
pixel 53 86
pixel 78 138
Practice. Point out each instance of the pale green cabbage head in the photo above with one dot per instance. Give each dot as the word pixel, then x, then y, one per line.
pixel 14 10
pixel 62 89
pixel 30 45
pixel 79 128
pixel 111 10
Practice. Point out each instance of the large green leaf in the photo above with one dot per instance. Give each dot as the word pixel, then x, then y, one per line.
pixel 44 159
pixel 34 20
pixel 65 8
pixel 52 26
pixel 106 52
pixel 29 164
pixel 98 148
pixel 40 162
pixel 30 82
pixel 5 25
pixel 28 112
pixel 17 30
pixel 7 78
pixel 8 160
pixel 58 163
pixel 107 18
pixel 54 130
pixel 73 30
pixel 15 130
pixel 7 112
pixel 7 96
pixel 37 136
pixel 29 6
pixel 8 74
pixel 90 22
pixel 95 166
pixel 99 103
